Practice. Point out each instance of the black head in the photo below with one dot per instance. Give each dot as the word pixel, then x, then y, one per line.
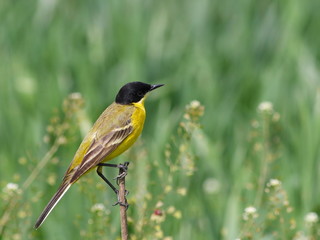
pixel 134 91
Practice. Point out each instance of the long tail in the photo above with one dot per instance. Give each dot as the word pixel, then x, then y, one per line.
pixel 54 200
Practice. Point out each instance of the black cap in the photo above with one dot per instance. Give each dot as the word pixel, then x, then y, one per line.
pixel 134 91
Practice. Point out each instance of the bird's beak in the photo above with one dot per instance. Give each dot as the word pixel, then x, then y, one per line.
pixel 153 87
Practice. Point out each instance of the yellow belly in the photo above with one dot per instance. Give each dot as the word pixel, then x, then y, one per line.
pixel 138 118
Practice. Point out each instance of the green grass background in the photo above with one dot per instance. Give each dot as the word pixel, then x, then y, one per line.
pixel 229 55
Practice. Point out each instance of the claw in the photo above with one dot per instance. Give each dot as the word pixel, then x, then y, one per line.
pixel 121 203
pixel 124 169
pixel 120 176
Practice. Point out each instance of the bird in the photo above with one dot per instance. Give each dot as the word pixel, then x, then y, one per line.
pixel 117 128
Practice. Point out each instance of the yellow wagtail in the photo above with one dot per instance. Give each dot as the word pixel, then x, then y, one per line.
pixel 117 128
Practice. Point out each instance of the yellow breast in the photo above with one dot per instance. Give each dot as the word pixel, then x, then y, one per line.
pixel 137 120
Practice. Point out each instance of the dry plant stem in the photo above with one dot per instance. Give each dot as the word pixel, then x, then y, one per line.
pixel 123 207
pixel 265 164
pixel 14 201
pixel 44 161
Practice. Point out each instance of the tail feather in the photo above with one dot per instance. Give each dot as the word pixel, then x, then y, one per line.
pixel 53 202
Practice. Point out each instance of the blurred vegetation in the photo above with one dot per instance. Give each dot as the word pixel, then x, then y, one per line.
pixel 248 168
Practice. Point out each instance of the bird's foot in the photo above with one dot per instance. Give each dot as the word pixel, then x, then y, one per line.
pixel 123 171
pixel 120 203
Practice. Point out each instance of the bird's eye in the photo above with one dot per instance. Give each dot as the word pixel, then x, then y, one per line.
pixel 140 94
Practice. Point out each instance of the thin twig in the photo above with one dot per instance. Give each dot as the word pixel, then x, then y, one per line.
pixel 71 105
pixel 15 199
pixel 123 206
pixel 265 162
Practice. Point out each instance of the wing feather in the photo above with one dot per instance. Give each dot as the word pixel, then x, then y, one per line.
pixel 101 148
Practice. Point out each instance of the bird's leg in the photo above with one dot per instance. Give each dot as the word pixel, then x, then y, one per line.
pixel 121 181
pixel 99 171
pixel 123 168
